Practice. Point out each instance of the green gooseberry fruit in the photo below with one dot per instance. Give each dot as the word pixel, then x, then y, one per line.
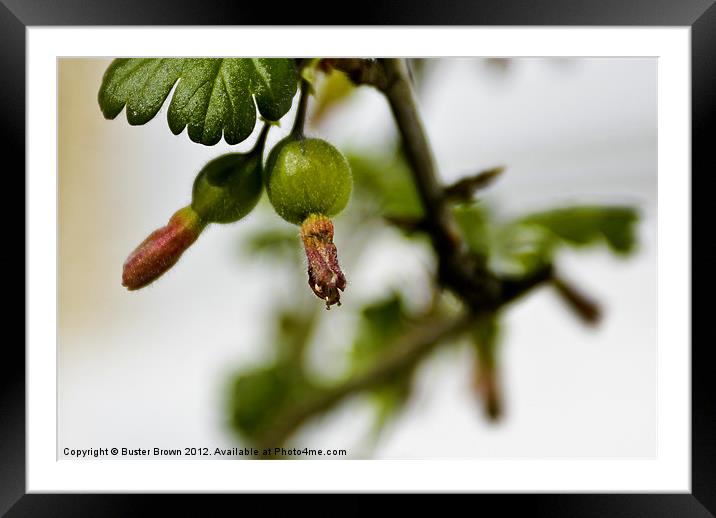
pixel 305 176
pixel 228 187
pixel 225 190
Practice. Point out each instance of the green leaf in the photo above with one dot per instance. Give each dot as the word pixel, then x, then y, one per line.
pixel 212 96
pixel 581 226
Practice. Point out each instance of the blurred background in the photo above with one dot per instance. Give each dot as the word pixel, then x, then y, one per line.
pixel 162 367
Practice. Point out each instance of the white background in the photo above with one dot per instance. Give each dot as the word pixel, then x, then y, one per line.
pixel 583 127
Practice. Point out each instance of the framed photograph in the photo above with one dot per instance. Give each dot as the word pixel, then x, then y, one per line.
pixel 438 250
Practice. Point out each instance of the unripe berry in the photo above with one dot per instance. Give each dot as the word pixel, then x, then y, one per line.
pixel 225 190
pixel 305 176
pixel 228 187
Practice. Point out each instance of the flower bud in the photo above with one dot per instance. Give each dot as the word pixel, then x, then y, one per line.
pixel 162 249
pixel 324 275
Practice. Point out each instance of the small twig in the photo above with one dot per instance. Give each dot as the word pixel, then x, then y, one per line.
pixel 411 348
pixel 464 189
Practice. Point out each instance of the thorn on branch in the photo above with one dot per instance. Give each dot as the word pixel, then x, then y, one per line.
pixel 464 189
pixel 583 306
pixel 407 223
pixel 514 288
pixel 487 386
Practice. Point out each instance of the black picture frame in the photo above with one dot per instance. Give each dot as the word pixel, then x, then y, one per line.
pixel 700 15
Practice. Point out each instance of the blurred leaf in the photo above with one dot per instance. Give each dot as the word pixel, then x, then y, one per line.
pixel 256 396
pixel 510 249
pixel 262 396
pixel 332 90
pixel 213 96
pixel 390 399
pixel 275 243
pixel 380 325
pixel 516 250
pixel 581 226
pixel 473 220
pixel 294 329
pixel 529 243
pixel 307 66
pixel 386 179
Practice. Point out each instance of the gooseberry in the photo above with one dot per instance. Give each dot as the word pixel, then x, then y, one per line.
pixel 307 180
pixel 305 176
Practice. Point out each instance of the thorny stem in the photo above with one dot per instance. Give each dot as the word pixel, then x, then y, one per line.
pixel 401 97
pixel 463 272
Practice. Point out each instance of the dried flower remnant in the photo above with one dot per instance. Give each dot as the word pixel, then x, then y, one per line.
pixel 162 249
pixel 324 274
